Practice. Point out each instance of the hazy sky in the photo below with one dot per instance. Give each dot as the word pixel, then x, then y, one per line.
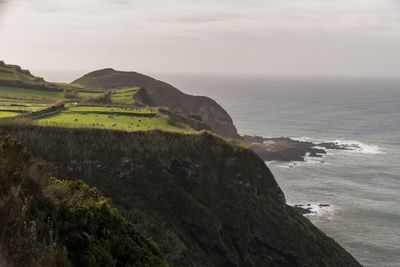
pixel 301 37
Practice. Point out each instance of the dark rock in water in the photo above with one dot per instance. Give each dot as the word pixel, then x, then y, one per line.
pixel 314 154
pixel 302 210
pixel 287 149
pixel 307 209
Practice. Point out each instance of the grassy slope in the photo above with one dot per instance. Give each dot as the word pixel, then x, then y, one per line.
pixel 119 117
pixel 124 95
pixel 15 101
pixel 8 114
pixel 12 72
pixel 157 93
pixel 49 222
pixel 25 93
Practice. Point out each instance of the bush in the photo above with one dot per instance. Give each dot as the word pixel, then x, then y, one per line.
pixel 70 93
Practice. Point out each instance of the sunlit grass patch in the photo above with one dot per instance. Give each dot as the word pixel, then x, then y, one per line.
pixel 8 114
pixel 124 95
pixel 105 109
pixel 109 121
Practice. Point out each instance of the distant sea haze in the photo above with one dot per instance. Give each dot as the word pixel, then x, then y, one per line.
pixel 361 187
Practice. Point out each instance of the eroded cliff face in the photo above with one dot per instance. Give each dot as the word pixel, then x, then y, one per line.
pixel 205 201
pixel 206 109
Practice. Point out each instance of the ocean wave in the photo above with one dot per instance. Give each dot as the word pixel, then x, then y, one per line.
pixel 350 145
pixel 361 147
pixel 318 210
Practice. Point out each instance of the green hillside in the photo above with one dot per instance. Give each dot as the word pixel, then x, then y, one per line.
pixel 153 92
pixel 14 72
pixel 27 99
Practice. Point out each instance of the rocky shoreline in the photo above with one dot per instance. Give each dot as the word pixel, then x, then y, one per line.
pixel 287 149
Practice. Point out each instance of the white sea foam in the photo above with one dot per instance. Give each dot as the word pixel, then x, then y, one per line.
pixel 351 145
pixel 294 164
pixel 361 147
pixel 318 210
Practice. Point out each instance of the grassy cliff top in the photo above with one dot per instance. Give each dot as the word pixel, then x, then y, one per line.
pixel 25 98
pixel 14 72
pixel 153 92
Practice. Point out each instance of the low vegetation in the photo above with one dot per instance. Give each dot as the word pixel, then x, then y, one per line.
pixel 45 221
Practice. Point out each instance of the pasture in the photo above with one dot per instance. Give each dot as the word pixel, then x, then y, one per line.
pixel 110 118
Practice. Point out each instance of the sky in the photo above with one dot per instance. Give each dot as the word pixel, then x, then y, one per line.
pixel 274 37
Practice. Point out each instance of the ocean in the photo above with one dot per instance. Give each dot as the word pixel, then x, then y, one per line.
pixel 361 187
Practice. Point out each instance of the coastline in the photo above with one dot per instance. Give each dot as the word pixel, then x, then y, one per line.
pixel 286 149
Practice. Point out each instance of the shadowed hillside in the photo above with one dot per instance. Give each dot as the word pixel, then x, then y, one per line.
pixel 205 201
pixel 49 222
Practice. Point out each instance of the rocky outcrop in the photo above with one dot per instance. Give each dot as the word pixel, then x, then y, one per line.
pixel 157 93
pixel 288 149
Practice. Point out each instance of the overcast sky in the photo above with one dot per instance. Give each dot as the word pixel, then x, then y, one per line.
pixel 284 37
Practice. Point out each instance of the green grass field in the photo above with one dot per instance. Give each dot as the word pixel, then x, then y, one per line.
pixel 123 95
pixel 103 109
pixel 8 114
pixel 12 108
pixel 23 93
pixel 110 118
pixel 22 109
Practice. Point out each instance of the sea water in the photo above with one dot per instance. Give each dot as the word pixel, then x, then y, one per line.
pixel 361 186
